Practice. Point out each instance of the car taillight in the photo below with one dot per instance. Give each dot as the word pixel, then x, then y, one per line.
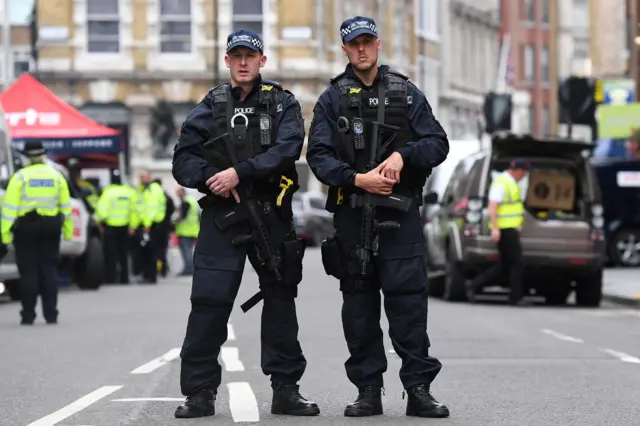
pixel 471 210
pixel 597 222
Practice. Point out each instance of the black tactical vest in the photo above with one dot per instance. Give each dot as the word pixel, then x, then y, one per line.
pixel 260 108
pixel 357 101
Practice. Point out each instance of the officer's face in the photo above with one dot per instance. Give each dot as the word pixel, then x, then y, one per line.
pixel 362 51
pixel 244 64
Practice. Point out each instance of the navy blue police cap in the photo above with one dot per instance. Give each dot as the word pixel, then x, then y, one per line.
pixel 245 38
pixel 358 25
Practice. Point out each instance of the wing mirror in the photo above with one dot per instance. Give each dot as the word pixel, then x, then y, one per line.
pixel 431 198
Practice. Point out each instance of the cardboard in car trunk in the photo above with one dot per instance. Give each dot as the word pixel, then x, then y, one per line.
pixel 553 190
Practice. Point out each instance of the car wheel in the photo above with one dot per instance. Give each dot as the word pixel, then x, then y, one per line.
pixel 589 290
pixel 454 281
pixel 624 248
pixel 90 267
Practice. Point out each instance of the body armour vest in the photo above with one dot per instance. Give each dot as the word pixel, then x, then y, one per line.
pixel 260 108
pixel 359 102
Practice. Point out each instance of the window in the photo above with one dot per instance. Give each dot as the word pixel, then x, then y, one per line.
pixel 532 120
pixel 428 19
pixel 546 121
pixel 401 41
pixel 528 64
pixel 580 15
pixel 247 15
pixel 544 64
pixel 545 11
pixel 580 49
pixel 103 26
pixel 175 26
pixel 21 63
pixel 528 10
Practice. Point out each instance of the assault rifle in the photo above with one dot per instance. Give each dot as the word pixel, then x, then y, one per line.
pixel 369 241
pixel 251 209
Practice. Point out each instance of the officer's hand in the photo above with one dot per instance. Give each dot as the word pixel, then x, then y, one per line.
pixel 374 182
pixel 392 166
pixel 495 235
pixel 223 181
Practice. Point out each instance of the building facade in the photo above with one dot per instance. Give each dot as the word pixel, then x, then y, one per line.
pixel 115 58
pixel 19 54
pixel 532 26
pixel 469 63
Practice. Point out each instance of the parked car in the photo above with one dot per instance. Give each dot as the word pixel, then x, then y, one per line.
pixel 313 223
pixel 563 249
pixel 81 258
pixel 619 181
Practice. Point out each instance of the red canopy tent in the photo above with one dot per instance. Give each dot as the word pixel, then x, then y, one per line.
pixel 33 112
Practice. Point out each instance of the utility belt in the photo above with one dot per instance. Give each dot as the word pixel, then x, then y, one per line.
pixel 339 197
pixel 34 216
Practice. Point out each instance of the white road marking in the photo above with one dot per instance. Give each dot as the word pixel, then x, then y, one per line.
pixel 158 362
pixel 231 335
pixel 75 406
pixel 622 356
pixel 160 399
pixel 561 336
pixel 242 401
pixel 231 359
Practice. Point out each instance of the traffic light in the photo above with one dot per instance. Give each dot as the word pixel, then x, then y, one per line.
pixel 497 112
pixel 577 97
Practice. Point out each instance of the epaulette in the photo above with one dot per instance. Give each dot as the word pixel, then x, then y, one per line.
pixel 397 73
pixel 336 77
pixel 217 89
pixel 267 83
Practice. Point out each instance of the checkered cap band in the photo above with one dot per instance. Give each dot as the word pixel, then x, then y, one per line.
pixel 244 38
pixel 359 25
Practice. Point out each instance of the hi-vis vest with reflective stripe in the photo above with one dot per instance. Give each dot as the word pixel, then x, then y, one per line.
pixel 116 206
pixel 511 209
pixel 190 225
pixel 38 188
pixel 92 197
pixel 151 205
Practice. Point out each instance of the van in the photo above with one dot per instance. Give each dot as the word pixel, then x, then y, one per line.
pixel 563 238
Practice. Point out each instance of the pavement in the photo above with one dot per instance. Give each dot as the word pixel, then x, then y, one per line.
pixel 622 285
pixel 114 360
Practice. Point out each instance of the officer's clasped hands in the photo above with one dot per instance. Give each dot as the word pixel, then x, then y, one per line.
pixel 374 182
pixel 392 166
pixel 223 182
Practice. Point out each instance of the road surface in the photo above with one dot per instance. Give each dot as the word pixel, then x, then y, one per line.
pixel 113 360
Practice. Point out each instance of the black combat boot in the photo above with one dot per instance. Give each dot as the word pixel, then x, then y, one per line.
pixel 420 403
pixel 201 404
pixel 287 400
pixel 368 403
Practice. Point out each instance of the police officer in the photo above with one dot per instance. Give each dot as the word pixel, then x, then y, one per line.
pixel 89 191
pixel 115 210
pixel 149 218
pixel 506 217
pixel 366 92
pixel 164 230
pixel 36 211
pixel 268 132
pixel 187 228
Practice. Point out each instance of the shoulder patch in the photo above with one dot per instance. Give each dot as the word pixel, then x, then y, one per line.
pixel 397 73
pixel 271 83
pixel 336 77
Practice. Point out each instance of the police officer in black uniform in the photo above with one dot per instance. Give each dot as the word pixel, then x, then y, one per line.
pixel 341 133
pixel 267 149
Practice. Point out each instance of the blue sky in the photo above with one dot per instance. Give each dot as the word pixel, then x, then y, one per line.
pixel 19 10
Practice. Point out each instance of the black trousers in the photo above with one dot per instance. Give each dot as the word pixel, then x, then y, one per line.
pixel 164 237
pixel 135 252
pixel 116 254
pixel 37 245
pixel 218 270
pixel 400 272
pixel 510 267
pixel 150 254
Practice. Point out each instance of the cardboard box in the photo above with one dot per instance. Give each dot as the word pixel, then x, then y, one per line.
pixel 551 190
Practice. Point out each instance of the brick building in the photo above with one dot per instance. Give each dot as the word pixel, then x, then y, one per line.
pixel 533 27
pixel 113 59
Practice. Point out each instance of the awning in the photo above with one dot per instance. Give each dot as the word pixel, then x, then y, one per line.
pixel 33 112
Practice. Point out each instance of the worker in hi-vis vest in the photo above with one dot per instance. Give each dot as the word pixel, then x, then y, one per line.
pixel 187 228
pixel 506 218
pixel 115 210
pixel 35 212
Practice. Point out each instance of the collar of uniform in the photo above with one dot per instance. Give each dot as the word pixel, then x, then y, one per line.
pixel 382 69
pixel 236 91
